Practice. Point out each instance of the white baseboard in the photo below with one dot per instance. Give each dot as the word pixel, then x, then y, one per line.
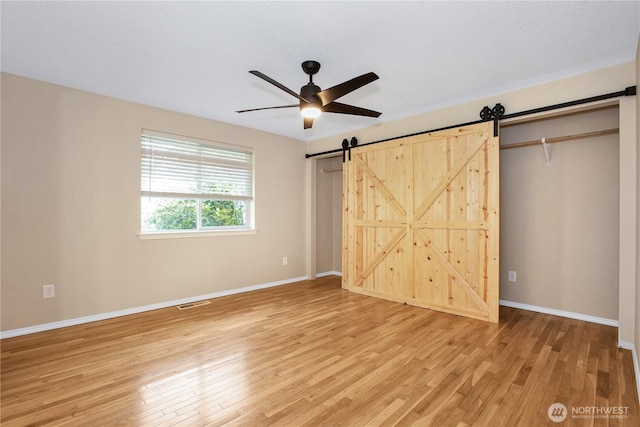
pixel 561 313
pixel 329 273
pixel 134 310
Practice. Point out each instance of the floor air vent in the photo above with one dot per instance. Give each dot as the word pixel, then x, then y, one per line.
pixel 192 305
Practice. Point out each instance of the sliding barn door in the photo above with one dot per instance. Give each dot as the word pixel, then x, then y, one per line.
pixel 421 221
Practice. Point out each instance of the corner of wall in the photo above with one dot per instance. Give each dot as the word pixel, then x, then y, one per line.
pixel 311 267
pixel 636 336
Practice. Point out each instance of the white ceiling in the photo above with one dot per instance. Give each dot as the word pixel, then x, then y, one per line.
pixel 194 57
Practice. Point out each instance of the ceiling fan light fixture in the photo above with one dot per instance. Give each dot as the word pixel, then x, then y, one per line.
pixel 310 112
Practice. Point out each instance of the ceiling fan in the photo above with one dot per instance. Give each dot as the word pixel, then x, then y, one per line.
pixel 314 101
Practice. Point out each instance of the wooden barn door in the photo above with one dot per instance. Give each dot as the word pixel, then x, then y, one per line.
pixel 421 221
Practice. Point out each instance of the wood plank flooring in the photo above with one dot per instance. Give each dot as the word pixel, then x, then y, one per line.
pixel 313 354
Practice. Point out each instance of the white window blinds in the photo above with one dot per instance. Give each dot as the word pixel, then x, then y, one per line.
pixel 174 166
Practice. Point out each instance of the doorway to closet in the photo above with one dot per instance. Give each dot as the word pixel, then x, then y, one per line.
pixel 560 224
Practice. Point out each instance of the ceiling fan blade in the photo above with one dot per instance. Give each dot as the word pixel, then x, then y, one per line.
pixel 308 122
pixel 276 84
pixel 268 108
pixel 329 95
pixel 337 107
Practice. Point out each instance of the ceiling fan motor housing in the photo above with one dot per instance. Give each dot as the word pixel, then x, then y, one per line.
pixel 309 92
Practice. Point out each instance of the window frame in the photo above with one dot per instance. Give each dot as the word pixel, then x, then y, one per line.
pixel 200 230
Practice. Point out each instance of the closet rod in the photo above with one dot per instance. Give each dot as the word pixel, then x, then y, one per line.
pixel 561 138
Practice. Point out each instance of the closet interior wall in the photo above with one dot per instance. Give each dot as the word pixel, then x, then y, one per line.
pixel 329 215
pixel 560 223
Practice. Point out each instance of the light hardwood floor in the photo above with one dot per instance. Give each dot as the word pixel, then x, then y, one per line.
pixel 314 354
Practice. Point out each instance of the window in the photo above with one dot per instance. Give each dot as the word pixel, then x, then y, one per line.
pixel 190 185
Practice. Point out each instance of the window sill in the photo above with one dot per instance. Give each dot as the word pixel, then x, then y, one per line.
pixel 190 234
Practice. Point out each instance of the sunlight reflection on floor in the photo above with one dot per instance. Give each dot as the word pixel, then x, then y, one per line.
pixel 206 389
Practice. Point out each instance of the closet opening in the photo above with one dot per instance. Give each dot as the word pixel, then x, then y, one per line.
pixel 560 219
pixel 560 212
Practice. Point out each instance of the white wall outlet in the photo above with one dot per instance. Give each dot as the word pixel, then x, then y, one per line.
pixel 48 291
pixel 285 260
pixel 512 276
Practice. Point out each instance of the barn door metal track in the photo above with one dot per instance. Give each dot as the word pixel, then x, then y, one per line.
pixel 496 114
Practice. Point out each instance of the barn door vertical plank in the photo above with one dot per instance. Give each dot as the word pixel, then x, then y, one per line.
pixel 492 176
pixel 409 284
pixel 347 225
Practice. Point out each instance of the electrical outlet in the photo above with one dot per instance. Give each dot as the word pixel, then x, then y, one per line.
pixel 48 291
pixel 285 261
pixel 512 276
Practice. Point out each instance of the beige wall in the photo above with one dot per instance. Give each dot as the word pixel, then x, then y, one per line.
pixel 601 81
pixel 71 208
pixel 628 203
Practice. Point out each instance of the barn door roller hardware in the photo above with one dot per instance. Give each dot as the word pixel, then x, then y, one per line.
pixel 347 148
pixel 496 114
